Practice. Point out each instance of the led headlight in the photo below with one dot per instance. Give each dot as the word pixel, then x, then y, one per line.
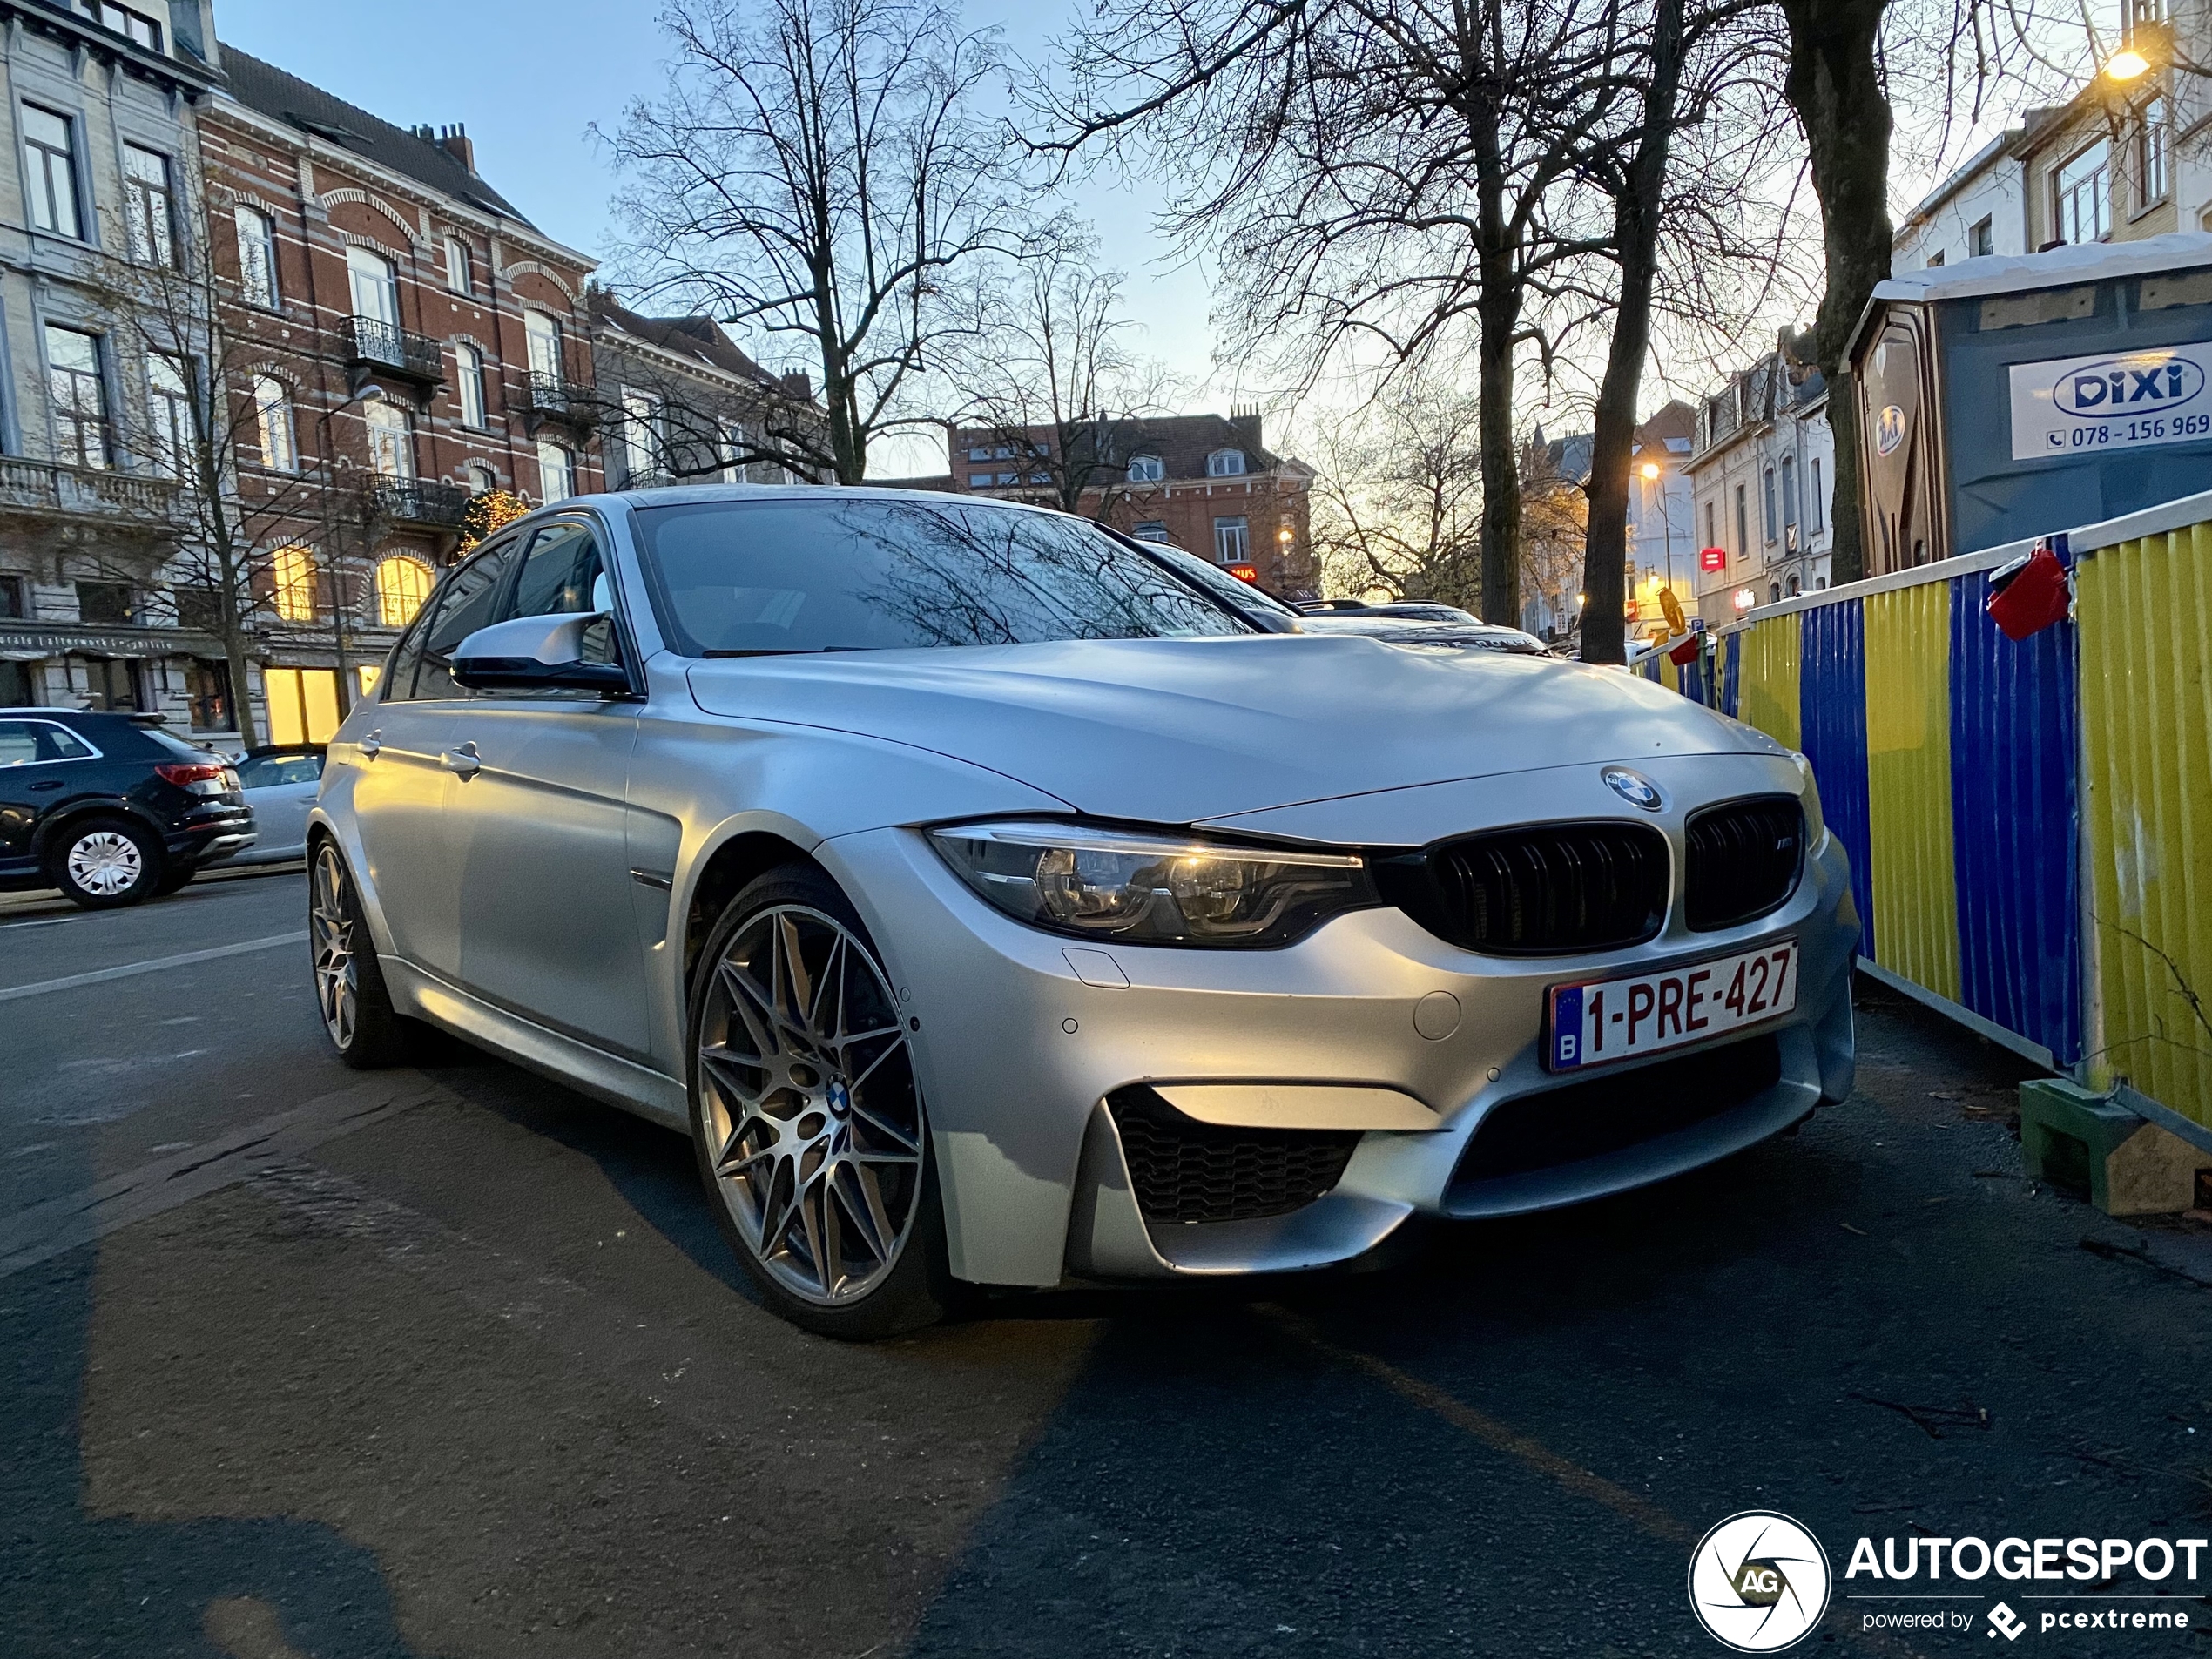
pixel 1142 889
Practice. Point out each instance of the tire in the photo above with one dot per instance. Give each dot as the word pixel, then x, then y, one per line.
pixel 175 876
pixel 105 863
pixel 806 1119
pixel 357 1018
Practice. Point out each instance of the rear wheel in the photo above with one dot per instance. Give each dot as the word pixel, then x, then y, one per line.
pixel 357 1013
pixel 105 863
pixel 807 1116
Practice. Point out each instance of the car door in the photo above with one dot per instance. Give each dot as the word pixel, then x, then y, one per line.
pixel 30 783
pixel 403 776
pixel 548 928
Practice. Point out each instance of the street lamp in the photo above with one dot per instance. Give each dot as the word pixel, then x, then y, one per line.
pixel 2127 64
pixel 367 392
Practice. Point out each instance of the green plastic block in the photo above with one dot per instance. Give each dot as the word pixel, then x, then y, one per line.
pixel 2071 1137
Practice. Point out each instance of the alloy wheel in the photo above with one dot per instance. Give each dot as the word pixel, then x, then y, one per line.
pixel 106 863
pixel 330 933
pixel 814 1126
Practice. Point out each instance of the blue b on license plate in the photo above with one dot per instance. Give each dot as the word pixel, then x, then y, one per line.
pixel 1599 1020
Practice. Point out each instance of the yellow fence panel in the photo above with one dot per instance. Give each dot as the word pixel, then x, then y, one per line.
pixel 1767 678
pixel 2145 612
pixel 1908 784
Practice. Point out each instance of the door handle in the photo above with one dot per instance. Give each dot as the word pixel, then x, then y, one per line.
pixel 462 762
pixel 372 745
pixel 41 788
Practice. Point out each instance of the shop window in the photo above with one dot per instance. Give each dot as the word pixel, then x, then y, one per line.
pixel 15 686
pixel 366 676
pixel 302 704
pixel 207 692
pixel 110 683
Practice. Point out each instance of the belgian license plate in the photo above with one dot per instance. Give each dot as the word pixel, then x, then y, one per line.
pixel 1600 1020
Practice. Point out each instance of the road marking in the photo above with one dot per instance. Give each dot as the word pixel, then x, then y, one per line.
pixel 47 1229
pixel 154 967
pixel 1645 1515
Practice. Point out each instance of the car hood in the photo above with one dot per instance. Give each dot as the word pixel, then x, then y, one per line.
pixel 1174 731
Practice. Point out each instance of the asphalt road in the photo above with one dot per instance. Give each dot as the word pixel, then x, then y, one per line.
pixel 296 1360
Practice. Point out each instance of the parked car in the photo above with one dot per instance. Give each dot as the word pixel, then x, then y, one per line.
pixel 279 785
pixel 992 905
pixel 1405 609
pixel 109 808
pixel 1278 616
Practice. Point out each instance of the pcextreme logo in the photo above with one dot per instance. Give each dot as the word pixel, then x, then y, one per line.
pixel 1758 1581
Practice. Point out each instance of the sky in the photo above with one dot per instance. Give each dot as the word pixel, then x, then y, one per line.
pixel 528 78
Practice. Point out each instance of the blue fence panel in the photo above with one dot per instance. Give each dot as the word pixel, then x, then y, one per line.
pixel 1832 701
pixel 2014 764
pixel 1731 652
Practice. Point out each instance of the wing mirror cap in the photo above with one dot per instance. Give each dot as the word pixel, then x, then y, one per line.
pixel 535 653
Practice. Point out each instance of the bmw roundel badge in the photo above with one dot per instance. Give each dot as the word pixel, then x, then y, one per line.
pixel 1633 787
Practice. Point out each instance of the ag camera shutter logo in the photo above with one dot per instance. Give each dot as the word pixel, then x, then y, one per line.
pixel 1758 1581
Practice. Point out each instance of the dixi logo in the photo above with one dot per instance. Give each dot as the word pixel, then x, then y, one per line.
pixel 2129 385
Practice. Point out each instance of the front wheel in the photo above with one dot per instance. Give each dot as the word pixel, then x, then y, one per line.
pixel 806 1116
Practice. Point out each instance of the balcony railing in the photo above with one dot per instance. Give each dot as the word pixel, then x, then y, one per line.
pixel 548 397
pixel 420 501
pixel 382 346
pixel 41 487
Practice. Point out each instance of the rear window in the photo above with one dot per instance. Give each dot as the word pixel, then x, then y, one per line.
pixel 746 578
pixel 264 772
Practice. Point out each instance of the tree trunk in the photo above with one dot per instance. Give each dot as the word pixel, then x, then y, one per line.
pixel 1499 309
pixel 1835 86
pixel 1635 231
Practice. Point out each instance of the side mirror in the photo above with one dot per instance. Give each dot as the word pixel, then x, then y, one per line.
pixel 535 654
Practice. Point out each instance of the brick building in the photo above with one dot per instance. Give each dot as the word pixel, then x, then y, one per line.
pixel 1206 482
pixel 403 339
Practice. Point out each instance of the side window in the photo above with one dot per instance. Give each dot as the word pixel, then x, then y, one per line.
pixel 457 611
pixel 563 576
pixel 19 743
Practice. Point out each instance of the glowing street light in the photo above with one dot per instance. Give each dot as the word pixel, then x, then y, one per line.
pixel 2127 64
pixel 1651 470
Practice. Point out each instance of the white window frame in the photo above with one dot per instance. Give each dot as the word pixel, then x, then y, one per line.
pixel 458 267
pixel 273 425
pixel 642 437
pixel 71 417
pixel 150 206
pixel 2154 159
pixel 391 447
pixel 1225 463
pixel 373 286
pixel 469 380
pixel 56 205
pixel 542 339
pixel 1232 540
pixel 2067 200
pixel 169 425
pixel 556 472
pixel 1146 469
pixel 257 257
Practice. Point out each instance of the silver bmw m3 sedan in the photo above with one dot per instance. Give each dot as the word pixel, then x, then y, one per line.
pixel 993 904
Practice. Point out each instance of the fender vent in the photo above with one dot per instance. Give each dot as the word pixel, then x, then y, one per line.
pixel 1184 1170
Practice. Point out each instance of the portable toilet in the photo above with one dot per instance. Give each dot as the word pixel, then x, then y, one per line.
pixel 2002 396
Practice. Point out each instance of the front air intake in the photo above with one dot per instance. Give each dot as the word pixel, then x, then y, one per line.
pixel 1744 859
pixel 1184 1171
pixel 1540 890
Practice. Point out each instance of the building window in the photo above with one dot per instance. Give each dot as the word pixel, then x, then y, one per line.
pixel 469 380
pixel 78 395
pixel 978 453
pixel 291 571
pixel 140 29
pixel 1981 240
pixel 556 473
pixel 1774 592
pixel 1232 541
pixel 403 584
pixel 1815 507
pixel 273 425
pixel 50 159
pixel 1796 587
pixel 199 607
pixel 13 605
pixel 207 693
pixel 1935 260
pixel 257 260
pixel 1766 503
pixel 104 603
pixel 1146 470
pixel 543 335
pixel 1742 525
pixel 1712 515
pixel 1789 492
pixel 390 452
pixel 2081 196
pixel 2150 152
pixel 374 287
pixel 641 436
pixel 457 265
pixel 481 479
pixel 149 207
pixel 1225 463
pixel 169 422
pixel 1152 529
pixel 303 703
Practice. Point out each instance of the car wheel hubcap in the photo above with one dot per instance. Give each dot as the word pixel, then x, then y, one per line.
pixel 331 934
pixel 812 1117
pixel 105 863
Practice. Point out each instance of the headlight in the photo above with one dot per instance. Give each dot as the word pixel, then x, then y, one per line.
pixel 1142 889
pixel 1814 822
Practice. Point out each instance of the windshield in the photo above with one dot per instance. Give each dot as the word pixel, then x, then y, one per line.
pixel 1230 590
pixel 736 579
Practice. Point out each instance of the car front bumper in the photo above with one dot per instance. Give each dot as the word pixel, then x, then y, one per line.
pixel 1018 1054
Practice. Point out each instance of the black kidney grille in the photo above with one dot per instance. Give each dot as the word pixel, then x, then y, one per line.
pixel 1744 860
pixel 1186 1170
pixel 1539 890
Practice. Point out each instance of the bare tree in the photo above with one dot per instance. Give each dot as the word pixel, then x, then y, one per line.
pixel 1380 178
pixel 1397 507
pixel 1044 365
pixel 212 419
pixel 818 171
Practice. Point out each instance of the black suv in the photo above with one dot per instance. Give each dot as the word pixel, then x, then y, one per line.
pixel 110 809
